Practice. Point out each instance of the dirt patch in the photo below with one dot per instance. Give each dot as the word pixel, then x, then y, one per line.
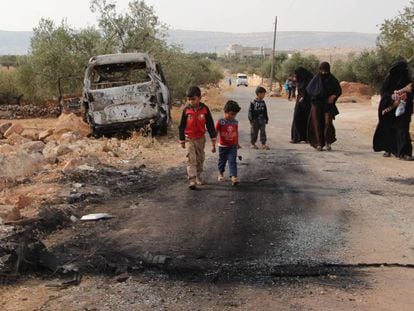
pixel 214 98
pixel 356 89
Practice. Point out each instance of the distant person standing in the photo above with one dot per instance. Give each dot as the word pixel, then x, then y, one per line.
pixel 302 108
pixel 324 90
pixel 393 131
pixel 290 88
pixel 259 118
pixel 286 87
pixel 230 82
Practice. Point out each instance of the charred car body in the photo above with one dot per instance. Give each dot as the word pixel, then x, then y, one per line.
pixel 125 91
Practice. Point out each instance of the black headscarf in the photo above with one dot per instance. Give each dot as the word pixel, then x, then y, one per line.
pixel 324 85
pixel 303 77
pixel 397 78
pixel 325 66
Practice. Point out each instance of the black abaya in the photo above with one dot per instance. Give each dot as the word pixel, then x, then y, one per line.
pixel 302 107
pixel 321 130
pixel 393 133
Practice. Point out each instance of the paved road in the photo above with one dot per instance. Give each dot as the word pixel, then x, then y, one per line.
pixel 294 206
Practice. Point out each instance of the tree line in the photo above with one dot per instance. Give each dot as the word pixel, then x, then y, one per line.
pixel 395 42
pixel 59 53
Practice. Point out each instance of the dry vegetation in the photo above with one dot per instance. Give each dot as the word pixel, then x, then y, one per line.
pixel 37 172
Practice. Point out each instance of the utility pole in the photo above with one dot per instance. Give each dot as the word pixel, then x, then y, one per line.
pixel 263 57
pixel 273 56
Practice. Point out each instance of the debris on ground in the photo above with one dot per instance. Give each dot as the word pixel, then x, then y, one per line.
pixel 66 284
pixel 95 217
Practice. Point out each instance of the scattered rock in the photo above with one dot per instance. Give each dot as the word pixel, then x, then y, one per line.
pixel 7 149
pixel 72 165
pixel 69 138
pixel 80 164
pixel 21 164
pixel 50 152
pixel 45 134
pixel 33 146
pixel 16 139
pixel 14 129
pixel 4 127
pixel 9 213
pixel 122 278
pixel 155 260
pixel 30 134
pixel 71 123
pixel 62 150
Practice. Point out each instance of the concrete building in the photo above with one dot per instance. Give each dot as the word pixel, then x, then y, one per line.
pixel 239 51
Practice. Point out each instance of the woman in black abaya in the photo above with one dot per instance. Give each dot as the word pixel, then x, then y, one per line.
pixel 302 108
pixel 393 133
pixel 324 90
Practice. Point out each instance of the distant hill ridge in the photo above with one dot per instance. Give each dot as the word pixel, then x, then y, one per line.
pixel 18 42
pixel 205 41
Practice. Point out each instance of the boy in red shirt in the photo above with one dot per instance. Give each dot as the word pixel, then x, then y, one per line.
pixel 228 132
pixel 196 118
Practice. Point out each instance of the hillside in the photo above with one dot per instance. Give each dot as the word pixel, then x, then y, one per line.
pixel 198 41
pixel 12 42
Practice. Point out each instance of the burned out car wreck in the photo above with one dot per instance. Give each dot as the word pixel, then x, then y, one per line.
pixel 123 92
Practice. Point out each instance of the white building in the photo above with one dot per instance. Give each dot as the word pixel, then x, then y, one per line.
pixel 239 51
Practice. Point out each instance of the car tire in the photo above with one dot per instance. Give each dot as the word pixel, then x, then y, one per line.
pixel 160 128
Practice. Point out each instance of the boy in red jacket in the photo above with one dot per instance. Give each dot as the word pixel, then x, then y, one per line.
pixel 228 133
pixel 195 121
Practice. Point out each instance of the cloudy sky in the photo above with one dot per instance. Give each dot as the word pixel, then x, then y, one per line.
pixel 219 15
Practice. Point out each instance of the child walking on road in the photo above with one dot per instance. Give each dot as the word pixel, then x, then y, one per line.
pixel 195 121
pixel 228 132
pixel 258 118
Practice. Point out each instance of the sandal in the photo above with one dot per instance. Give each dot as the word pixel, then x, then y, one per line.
pixel 387 155
pixel 407 158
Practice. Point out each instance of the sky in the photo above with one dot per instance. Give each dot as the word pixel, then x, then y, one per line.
pixel 219 15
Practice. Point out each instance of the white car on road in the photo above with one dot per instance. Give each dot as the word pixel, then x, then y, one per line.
pixel 242 79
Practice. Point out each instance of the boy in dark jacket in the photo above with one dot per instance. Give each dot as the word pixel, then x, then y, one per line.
pixel 258 118
pixel 195 121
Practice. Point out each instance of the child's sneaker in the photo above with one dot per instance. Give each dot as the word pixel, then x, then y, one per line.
pixel 192 185
pixel 265 147
pixel 254 147
pixel 234 181
pixel 221 177
pixel 199 181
